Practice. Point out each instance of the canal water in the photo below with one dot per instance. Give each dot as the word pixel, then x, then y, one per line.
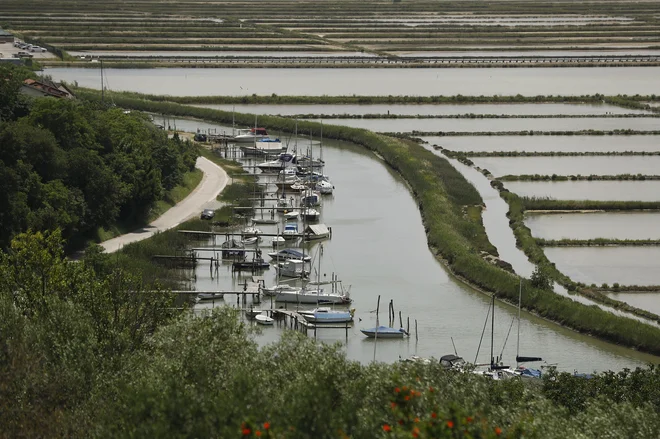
pixel 378 247
pixel 533 81
pixel 426 109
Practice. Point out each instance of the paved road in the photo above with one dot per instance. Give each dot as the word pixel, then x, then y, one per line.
pixel 214 181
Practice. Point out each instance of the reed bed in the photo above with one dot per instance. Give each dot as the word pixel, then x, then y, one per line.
pixel 591 177
pixel 542 203
pixel 596 242
pixel 442 194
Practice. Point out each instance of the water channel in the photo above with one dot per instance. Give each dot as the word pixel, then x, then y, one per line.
pixel 567 81
pixel 379 248
pixel 426 109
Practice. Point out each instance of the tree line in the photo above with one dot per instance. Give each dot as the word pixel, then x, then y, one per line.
pixel 79 166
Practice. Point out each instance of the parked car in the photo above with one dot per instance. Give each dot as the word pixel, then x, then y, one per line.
pixel 208 214
pixel 37 49
pixel 23 54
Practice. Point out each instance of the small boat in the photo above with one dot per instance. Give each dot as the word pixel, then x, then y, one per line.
pixel 264 221
pixel 251 232
pixel 384 332
pixel 317 297
pixel 290 231
pixel 315 232
pixel 284 204
pixel 252 313
pixel 249 135
pixel 263 319
pixel 327 315
pixel 250 241
pixel 310 214
pixel 276 289
pixel 233 249
pixel 289 253
pixel 324 187
pixel 292 268
pixel 298 186
pixel 209 296
pixel 310 198
pixel 291 215
pixel 283 161
pixel 278 241
pixel 263 146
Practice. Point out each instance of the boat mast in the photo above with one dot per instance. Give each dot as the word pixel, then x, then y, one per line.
pixel 492 331
pixel 102 86
pixel 233 109
pixel 519 305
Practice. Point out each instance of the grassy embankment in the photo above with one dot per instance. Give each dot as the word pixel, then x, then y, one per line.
pixel 442 193
pixel 578 177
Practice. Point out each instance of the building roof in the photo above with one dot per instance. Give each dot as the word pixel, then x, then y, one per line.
pixel 4 33
pixel 317 229
pixel 48 88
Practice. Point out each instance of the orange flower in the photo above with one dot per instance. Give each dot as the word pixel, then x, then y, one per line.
pixel 407 398
pixel 416 420
pixel 266 425
pixel 387 428
pixel 498 431
pixel 415 432
pixel 393 404
pixel 431 389
pixel 246 431
pixel 433 415
pixel 450 424
pixel 397 390
pixel 257 433
pixel 405 388
pixel 469 419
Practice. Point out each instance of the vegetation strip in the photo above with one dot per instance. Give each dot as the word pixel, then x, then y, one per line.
pixel 442 194
pixel 595 242
pixel 549 204
pixel 547 153
pixel 617 132
pixel 578 177
pixel 474 116
pixel 625 101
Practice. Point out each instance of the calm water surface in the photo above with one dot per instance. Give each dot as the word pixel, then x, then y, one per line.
pixel 588 190
pixel 613 225
pixel 624 265
pixel 500 125
pixel 584 165
pixel 372 82
pixel 427 109
pixel 647 301
pixel 379 248
pixel 450 54
pixel 548 143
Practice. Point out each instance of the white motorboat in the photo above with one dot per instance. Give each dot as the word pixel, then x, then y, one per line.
pixel 251 232
pixel 289 253
pixel 278 241
pixel 250 135
pixel 250 241
pixel 290 231
pixel 384 332
pixel 276 289
pixel 327 315
pixel 263 319
pixel 310 214
pixel 292 268
pixel 291 215
pixel 319 297
pixel 263 146
pixel 324 187
pixel 209 296
pixel 283 161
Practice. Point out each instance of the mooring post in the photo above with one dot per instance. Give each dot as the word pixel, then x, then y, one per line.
pixel 408 325
pixel 416 338
pixel 400 320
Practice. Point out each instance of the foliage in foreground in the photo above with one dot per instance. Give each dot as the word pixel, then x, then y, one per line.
pixel 88 351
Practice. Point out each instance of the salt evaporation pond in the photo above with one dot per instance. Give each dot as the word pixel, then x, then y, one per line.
pixel 591 225
pixel 567 165
pixel 625 265
pixel 643 300
pixel 588 190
